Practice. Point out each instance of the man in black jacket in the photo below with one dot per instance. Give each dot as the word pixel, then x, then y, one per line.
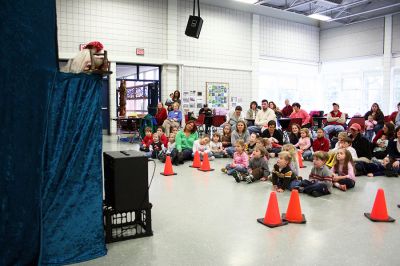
pixel 360 144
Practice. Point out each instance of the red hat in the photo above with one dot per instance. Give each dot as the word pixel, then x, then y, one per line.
pixel 356 126
pixel 94 44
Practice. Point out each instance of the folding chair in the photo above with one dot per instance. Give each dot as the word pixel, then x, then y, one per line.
pixel 358 120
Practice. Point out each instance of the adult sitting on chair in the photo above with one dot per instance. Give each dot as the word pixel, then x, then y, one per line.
pixel 234 116
pixel 287 110
pixel 300 113
pixel 263 116
pixel 174 118
pixel 335 120
pixel 377 115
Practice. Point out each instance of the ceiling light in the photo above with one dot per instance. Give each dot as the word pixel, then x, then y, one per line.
pixel 320 17
pixel 247 1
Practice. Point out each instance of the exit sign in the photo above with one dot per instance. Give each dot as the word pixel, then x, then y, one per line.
pixel 140 51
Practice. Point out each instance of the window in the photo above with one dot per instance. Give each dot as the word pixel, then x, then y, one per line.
pixel 137 80
pixel 396 89
pixel 354 84
pixel 286 80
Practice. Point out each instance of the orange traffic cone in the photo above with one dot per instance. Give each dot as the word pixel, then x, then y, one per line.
pixel 293 213
pixel 168 167
pixel 379 211
pixel 196 160
pixel 300 159
pixel 272 216
pixel 205 166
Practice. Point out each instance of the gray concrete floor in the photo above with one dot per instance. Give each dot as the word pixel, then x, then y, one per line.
pixel 209 219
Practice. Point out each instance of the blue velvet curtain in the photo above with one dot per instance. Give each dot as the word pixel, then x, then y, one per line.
pixel 72 184
pixel 50 146
pixel 28 61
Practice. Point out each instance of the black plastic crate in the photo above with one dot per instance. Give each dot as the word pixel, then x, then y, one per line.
pixel 126 225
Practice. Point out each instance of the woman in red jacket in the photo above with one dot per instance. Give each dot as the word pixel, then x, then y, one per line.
pixel 161 114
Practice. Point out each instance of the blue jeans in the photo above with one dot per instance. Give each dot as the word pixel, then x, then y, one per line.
pixel 377 128
pixel 230 151
pixel 238 168
pixel 369 134
pixel 310 186
pixel 307 155
pixel 255 129
pixel 185 155
pixel 332 129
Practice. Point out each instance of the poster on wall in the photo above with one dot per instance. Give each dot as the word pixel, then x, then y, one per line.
pixel 217 94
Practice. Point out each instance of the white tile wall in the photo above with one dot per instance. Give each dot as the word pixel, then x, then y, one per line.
pixel 195 78
pixel 361 39
pixel 225 37
pixel 396 34
pixel 285 39
pixel 121 25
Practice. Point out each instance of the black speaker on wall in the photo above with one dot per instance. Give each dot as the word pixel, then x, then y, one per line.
pixel 195 23
pixel 193 27
pixel 126 180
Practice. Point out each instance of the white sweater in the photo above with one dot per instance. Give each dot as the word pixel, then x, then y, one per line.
pixel 263 117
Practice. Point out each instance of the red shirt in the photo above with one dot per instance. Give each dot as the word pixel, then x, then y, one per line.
pixel 287 111
pixel 321 144
pixel 147 140
pixel 164 140
pixel 160 116
pixel 305 117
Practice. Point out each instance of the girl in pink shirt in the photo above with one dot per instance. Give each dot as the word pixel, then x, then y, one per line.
pixel 240 160
pixel 304 143
pixel 343 170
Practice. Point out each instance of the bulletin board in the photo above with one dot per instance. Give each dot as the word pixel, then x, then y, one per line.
pixel 217 94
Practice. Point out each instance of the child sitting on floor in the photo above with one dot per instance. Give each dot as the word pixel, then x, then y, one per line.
pixel 304 143
pixel 258 166
pixel 346 144
pixel 147 140
pixel 252 143
pixel 155 148
pixel 339 144
pixel 174 130
pixel 320 178
pixel 282 176
pixel 160 131
pixel 294 163
pixel 240 161
pixel 343 170
pixel 202 146
pixel 321 143
pixel 216 146
pixel 377 168
pixel 170 150
pixel 226 136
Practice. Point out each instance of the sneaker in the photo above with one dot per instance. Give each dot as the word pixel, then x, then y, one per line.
pixel 224 170
pixel 237 176
pixel 249 179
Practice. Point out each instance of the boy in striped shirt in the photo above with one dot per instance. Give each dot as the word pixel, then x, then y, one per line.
pixel 320 178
